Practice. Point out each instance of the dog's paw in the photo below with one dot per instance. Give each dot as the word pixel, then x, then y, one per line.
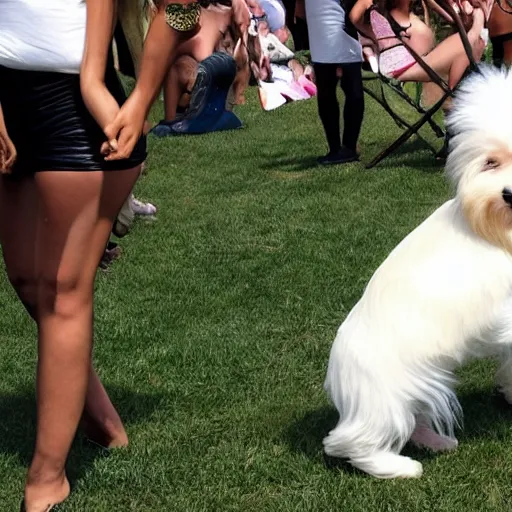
pixel 411 469
pixel 389 465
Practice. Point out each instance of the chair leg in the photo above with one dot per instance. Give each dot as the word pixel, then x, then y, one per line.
pixel 413 129
pixel 439 132
pixel 401 123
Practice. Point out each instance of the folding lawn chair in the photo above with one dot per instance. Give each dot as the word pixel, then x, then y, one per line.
pixel 385 92
pixel 427 113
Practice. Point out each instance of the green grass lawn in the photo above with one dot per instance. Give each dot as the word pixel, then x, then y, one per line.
pixel 213 333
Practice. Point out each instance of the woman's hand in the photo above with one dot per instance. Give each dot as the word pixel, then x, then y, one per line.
pixel 158 55
pixel 125 130
pixel 7 153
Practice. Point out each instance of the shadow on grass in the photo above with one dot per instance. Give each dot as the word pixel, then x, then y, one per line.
pixel 414 153
pixel 286 162
pixel 486 416
pixel 17 427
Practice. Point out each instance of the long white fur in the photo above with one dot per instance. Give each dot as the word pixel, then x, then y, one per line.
pixel 442 295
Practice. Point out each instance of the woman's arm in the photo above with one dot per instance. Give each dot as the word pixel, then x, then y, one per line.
pixel 101 16
pixel 7 149
pixel 3 128
pixel 357 17
pixel 159 51
pixel 157 56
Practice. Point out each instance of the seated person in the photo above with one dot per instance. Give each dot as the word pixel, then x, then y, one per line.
pixel 211 67
pixel 296 23
pixel 276 18
pixel 270 16
pixel 288 77
pixel 448 58
pixel 500 31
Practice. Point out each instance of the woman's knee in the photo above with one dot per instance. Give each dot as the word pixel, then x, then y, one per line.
pixel 64 295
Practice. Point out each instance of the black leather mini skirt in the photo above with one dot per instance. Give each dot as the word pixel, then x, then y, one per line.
pixel 50 125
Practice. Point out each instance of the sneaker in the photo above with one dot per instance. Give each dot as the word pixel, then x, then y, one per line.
pixel 140 208
pixel 342 156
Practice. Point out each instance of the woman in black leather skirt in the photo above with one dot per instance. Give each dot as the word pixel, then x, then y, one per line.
pixel 57 205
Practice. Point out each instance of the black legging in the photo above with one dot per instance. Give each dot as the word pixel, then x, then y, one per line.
pixel 328 107
pixel 297 26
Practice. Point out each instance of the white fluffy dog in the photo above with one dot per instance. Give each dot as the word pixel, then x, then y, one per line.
pixel 442 295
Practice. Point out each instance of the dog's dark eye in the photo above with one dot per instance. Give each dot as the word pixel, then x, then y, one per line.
pixel 491 163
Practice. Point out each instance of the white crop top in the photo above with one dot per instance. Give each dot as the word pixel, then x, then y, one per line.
pixel 42 35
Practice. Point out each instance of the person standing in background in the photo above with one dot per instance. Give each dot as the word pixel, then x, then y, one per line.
pixel 296 23
pixel 337 57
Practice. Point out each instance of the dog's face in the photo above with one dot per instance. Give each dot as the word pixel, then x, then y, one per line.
pixel 480 158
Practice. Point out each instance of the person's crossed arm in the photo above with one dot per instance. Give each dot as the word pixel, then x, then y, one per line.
pixel 157 57
pixel 7 148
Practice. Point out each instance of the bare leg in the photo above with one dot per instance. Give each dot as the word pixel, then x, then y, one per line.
pixel 100 419
pixel 450 53
pixel 73 223
pixel 19 207
pixel 18 220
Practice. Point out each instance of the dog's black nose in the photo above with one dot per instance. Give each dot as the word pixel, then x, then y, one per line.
pixel 507 195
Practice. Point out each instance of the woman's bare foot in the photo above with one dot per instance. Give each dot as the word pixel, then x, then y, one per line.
pixel 107 434
pixel 40 496
pixel 100 420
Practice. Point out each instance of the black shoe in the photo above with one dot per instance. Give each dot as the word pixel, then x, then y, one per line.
pixel 111 253
pixel 342 156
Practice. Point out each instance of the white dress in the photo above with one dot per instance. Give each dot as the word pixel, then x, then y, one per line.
pixel 329 43
pixel 42 35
